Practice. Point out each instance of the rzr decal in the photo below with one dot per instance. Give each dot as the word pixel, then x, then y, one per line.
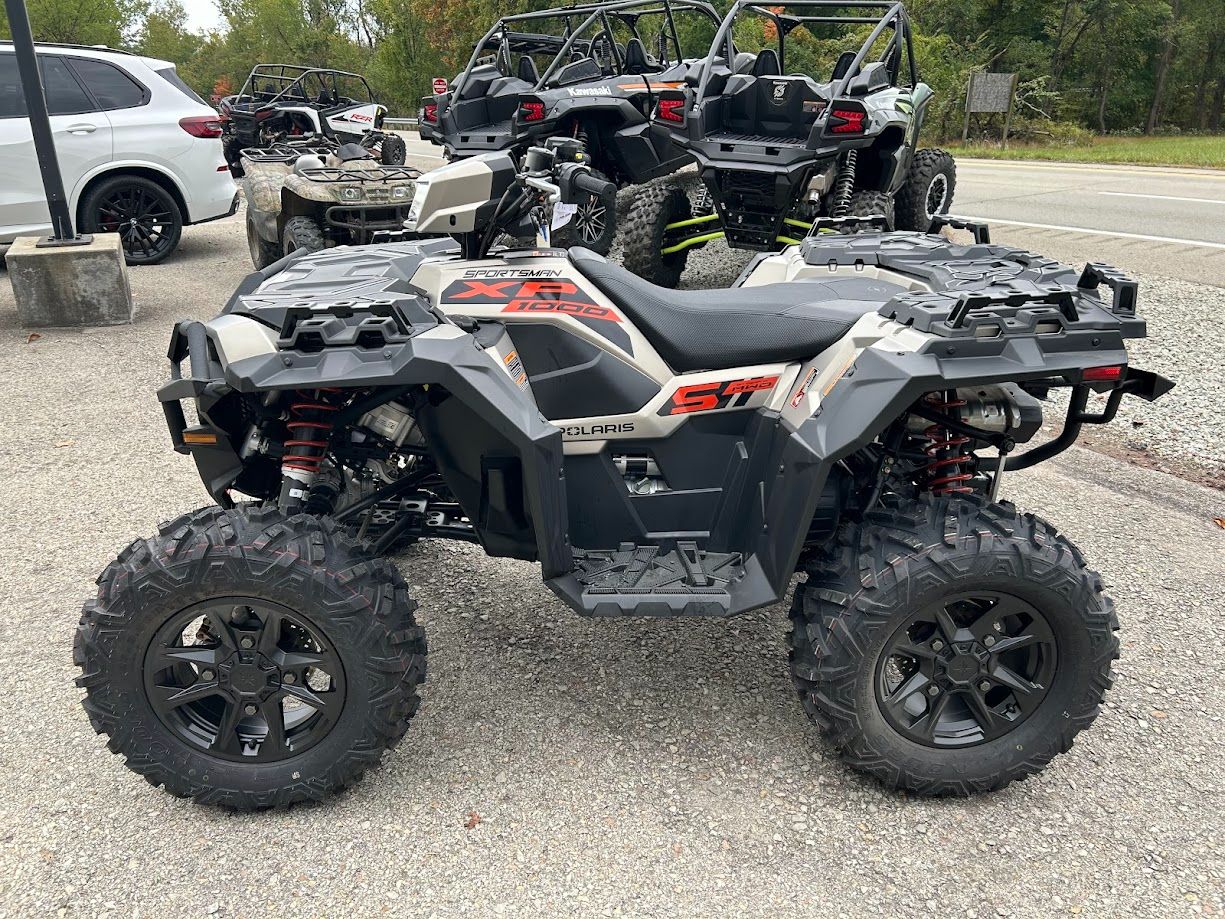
pixel 530 296
pixel 709 397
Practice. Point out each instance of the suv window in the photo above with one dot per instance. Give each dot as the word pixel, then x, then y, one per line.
pixel 113 88
pixel 64 94
pixel 171 76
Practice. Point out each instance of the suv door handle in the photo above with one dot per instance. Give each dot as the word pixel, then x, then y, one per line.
pixel 81 128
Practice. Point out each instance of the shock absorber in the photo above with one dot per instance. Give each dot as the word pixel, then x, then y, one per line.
pixel 580 134
pixel 310 429
pixel 949 466
pixel 844 185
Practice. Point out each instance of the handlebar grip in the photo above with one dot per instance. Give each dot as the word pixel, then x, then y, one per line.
pixel 594 185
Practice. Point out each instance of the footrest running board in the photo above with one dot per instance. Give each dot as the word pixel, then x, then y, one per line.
pixel 634 580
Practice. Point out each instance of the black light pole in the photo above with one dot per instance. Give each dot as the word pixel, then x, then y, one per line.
pixel 40 127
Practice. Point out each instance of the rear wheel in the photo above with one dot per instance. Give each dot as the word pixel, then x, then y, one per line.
pixel 248 660
pixel 928 190
pixel 867 203
pixel 145 215
pixel 302 233
pixel 594 224
pixel 646 236
pixel 392 150
pixel 263 253
pixel 951 647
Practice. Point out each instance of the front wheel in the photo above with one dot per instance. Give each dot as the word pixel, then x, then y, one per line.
pixel 951 646
pixel 250 660
pixel 928 190
pixel 302 233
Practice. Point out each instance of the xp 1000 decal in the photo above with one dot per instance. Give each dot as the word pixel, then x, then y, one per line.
pixel 527 295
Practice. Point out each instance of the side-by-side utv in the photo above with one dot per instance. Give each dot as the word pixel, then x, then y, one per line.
pixel 596 81
pixel 292 102
pixel 780 144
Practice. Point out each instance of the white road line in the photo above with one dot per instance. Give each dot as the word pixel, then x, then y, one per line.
pixel 1204 244
pixel 1183 172
pixel 1132 194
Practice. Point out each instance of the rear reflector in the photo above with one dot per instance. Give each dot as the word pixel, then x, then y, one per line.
pixel 202 125
pixel 672 110
pixel 1102 374
pixel 846 121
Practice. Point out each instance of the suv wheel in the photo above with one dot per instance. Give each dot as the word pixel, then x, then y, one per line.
pixel 144 214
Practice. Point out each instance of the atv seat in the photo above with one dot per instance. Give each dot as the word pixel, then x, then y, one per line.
pixel 714 329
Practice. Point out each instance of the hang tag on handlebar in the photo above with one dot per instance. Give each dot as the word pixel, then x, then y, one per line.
pixel 562 214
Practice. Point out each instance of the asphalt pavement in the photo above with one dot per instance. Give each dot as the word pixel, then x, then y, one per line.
pixel 561 765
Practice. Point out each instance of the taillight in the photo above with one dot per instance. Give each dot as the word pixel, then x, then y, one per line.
pixel 202 125
pixel 532 111
pixel 1102 374
pixel 672 110
pixel 847 121
pixel 429 113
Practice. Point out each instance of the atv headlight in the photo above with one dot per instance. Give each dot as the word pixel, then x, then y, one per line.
pixel 402 191
pixel 414 210
pixel 350 193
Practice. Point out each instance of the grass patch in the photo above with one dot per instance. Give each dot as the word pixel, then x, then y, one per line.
pixel 1196 150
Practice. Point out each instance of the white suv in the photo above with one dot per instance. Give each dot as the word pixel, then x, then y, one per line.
pixel 140 152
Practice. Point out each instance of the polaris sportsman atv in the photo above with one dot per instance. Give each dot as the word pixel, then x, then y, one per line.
pixel 282 102
pixel 301 196
pixel 596 82
pixel 850 410
pixel 777 150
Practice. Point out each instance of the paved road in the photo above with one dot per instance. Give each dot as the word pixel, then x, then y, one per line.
pixel 1156 221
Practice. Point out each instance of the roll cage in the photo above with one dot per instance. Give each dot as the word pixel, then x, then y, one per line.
pixel 893 17
pixel 507 40
pixel 274 84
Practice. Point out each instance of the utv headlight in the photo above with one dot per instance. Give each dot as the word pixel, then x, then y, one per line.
pixel 401 192
pixel 350 193
pixel 414 210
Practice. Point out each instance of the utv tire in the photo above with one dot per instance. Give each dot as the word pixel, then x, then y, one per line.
pixel 645 228
pixel 1023 672
pixel 143 213
pixel 865 203
pixel 248 660
pixel 594 225
pixel 263 253
pixel 392 150
pixel 928 190
pixel 302 233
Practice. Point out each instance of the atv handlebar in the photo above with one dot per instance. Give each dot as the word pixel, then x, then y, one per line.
pixel 593 185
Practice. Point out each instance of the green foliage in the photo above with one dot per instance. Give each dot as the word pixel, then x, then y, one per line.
pixel 1084 65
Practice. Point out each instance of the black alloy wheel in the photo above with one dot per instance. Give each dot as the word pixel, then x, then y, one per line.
pixel 244 679
pixel 966 670
pixel 144 214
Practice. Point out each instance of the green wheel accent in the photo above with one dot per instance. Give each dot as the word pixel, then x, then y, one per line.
pixel 798 223
pixel 787 240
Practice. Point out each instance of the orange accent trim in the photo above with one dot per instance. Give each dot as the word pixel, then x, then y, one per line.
pixel 199 437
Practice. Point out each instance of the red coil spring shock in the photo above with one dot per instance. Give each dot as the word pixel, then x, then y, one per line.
pixel 310 427
pixel 948 470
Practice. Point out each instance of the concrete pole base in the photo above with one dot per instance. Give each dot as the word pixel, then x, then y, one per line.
pixel 70 285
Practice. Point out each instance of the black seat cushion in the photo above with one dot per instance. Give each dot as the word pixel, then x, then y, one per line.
pixel 715 329
pixel 767 64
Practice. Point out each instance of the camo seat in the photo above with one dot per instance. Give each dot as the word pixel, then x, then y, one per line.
pixel 715 329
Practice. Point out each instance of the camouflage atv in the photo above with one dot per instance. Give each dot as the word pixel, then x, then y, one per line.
pixel 308 197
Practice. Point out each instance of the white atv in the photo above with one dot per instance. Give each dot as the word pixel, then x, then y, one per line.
pixel 850 410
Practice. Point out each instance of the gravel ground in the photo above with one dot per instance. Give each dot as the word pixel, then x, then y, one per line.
pixel 645 768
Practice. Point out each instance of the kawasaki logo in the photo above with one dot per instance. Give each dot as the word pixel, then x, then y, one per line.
pixel 589 91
